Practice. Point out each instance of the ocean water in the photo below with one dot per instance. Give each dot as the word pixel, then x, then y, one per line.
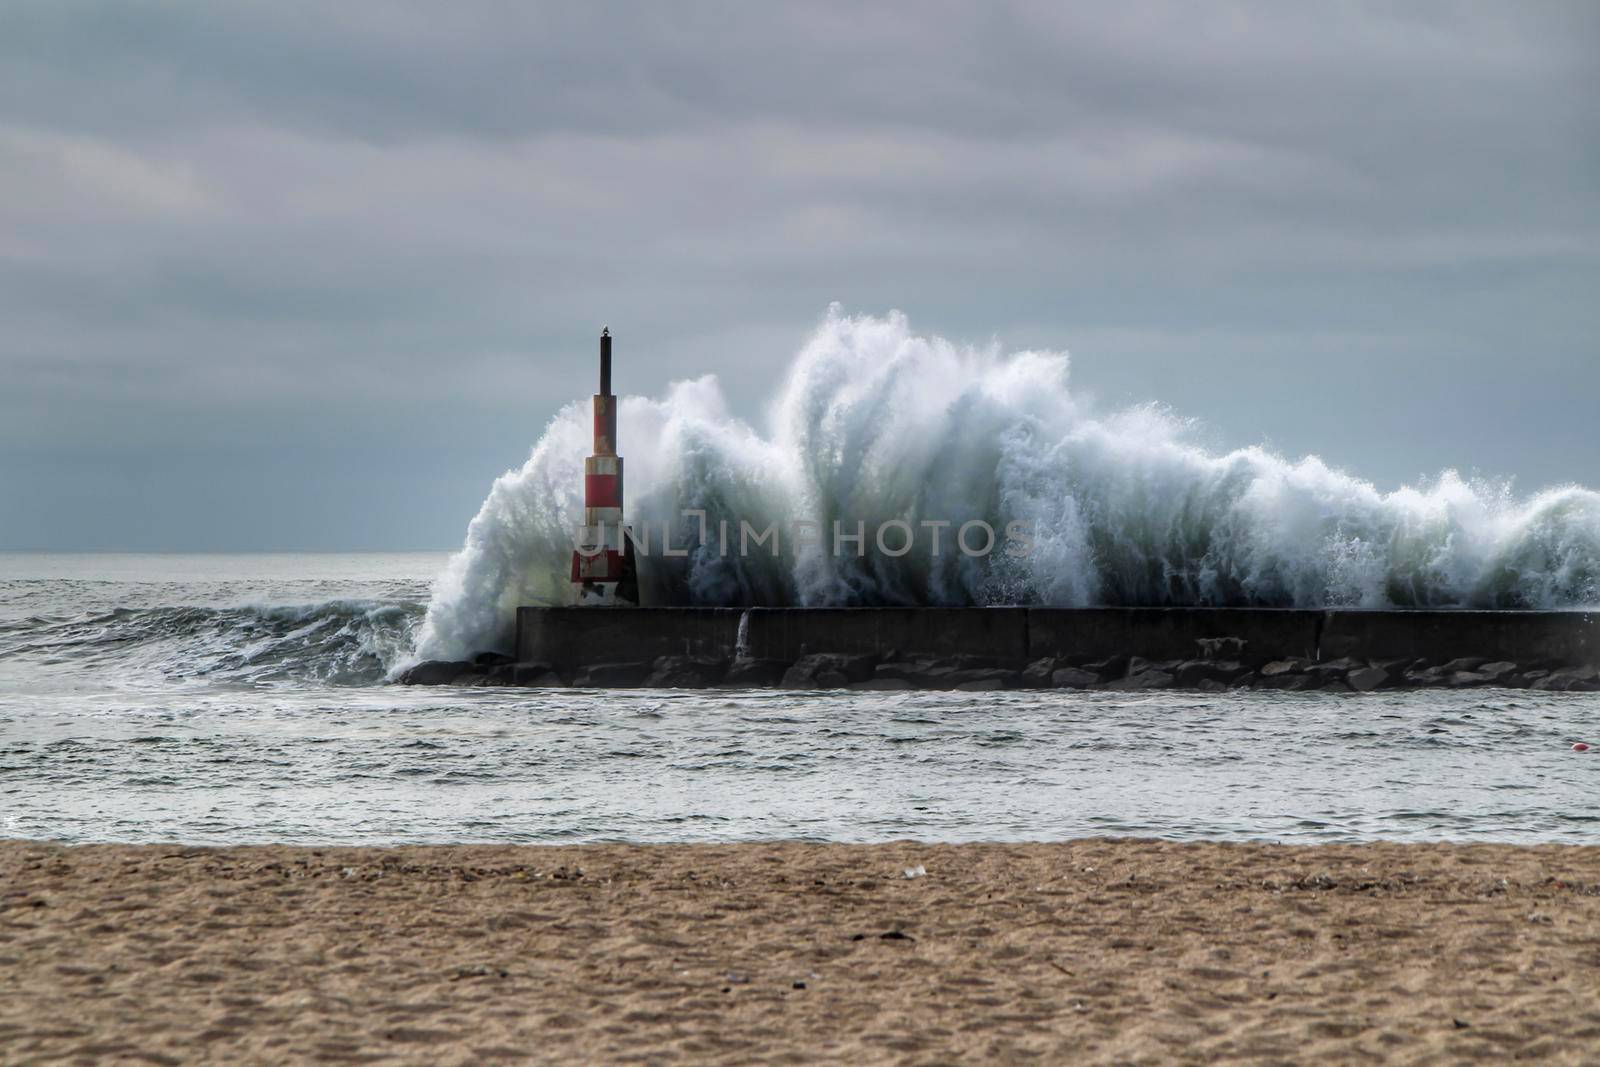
pixel 227 699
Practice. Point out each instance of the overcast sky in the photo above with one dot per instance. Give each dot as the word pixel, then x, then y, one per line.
pixel 308 275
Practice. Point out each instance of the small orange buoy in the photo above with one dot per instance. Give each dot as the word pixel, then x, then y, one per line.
pixel 1579 746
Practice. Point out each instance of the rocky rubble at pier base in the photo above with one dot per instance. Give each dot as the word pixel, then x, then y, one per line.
pixel 1218 669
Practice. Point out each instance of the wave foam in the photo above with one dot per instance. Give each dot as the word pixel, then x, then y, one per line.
pixel 875 423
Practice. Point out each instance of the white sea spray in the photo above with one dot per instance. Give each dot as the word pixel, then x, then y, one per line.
pixel 875 424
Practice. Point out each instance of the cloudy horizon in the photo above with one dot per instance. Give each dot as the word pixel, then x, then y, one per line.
pixel 284 276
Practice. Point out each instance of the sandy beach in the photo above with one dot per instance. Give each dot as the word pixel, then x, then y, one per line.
pixel 1096 951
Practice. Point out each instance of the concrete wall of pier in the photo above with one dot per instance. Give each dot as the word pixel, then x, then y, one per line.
pixel 577 637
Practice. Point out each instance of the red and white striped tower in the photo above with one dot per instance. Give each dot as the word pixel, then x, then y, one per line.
pixel 602 561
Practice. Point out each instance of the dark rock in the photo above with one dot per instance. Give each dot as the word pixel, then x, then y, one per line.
pixel 434 672
pixel 970 663
pixel 685 672
pixel 1336 669
pixel 986 677
pixel 612 676
pixel 828 671
pixel 813 677
pixel 1570 680
pixel 1190 673
pixel 935 675
pixel 754 674
pixel 1113 667
pixel 1229 670
pixel 472 677
pixel 1211 685
pixel 1143 680
pixel 499 674
pixel 1322 677
pixel 1282 667
pixel 1366 679
pixel 1465 663
pixel 1247 680
pixel 1444 675
pixel 491 659
pixel 800 678
pixel 920 673
pixel 1500 672
pixel 1073 678
pixel 1037 675
pixel 1137 665
pixel 856 668
pixel 536 675
pixel 1287 674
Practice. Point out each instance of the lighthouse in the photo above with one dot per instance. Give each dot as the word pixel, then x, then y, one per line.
pixel 603 568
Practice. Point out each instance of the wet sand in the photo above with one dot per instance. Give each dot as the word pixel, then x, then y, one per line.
pixel 1092 951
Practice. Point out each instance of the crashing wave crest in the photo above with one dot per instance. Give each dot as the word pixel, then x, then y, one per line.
pixel 875 424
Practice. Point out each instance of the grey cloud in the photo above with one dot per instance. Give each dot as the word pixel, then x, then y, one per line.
pixel 353 221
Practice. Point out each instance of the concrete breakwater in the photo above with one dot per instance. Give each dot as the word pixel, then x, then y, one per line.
pixel 1017 647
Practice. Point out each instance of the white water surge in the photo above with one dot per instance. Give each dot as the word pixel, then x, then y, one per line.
pixel 875 424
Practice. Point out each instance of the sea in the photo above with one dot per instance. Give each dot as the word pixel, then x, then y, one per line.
pixel 228 699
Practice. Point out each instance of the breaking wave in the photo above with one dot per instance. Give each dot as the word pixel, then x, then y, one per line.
pixel 876 424
pixel 339 642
